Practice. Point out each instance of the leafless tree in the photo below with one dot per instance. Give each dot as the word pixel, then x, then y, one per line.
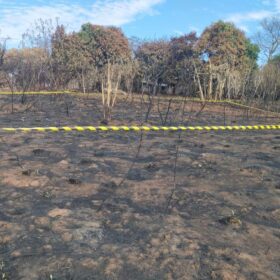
pixel 269 38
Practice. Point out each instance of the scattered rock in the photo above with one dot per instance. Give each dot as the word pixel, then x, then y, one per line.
pixel 276 214
pixel 67 237
pixel 57 212
pixel 156 242
pixel 35 183
pixel 89 263
pixel 197 164
pixel 16 254
pixel 210 157
pixel 63 163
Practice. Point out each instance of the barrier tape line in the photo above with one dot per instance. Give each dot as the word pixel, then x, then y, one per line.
pixel 226 101
pixel 139 128
pixel 252 108
pixel 35 92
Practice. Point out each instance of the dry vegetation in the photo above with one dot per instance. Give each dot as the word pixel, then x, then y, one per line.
pixel 219 64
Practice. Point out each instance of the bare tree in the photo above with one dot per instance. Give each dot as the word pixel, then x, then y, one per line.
pixel 3 43
pixel 269 38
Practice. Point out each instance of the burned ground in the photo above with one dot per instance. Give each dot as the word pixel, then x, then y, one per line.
pixel 109 206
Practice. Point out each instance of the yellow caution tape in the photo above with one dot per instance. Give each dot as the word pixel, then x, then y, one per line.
pixel 176 98
pixel 139 128
pixel 251 108
pixel 35 92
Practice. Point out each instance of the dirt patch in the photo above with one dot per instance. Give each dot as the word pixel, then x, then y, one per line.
pixel 88 206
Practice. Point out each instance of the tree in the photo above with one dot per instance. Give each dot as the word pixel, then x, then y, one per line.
pixel 223 43
pixel 26 67
pixel 226 55
pixel 180 67
pixel 40 37
pixel 3 42
pixel 104 44
pixel 267 82
pixel 153 60
pixel 269 38
pixel 68 59
pixel 108 50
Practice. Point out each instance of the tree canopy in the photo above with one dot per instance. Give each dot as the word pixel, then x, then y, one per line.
pixel 220 63
pixel 104 44
pixel 222 42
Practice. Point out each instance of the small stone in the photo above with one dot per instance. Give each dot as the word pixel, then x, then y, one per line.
pixel 89 263
pixel 155 242
pixel 63 163
pixel 67 236
pixel 57 212
pixel 16 254
pixel 276 214
pixel 35 183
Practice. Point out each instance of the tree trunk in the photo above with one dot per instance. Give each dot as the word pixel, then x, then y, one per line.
pixel 83 82
pixel 197 79
pixel 210 82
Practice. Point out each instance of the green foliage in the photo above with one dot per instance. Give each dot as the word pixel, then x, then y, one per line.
pixel 222 42
pixel 104 44
pixel 252 53
pixel 222 62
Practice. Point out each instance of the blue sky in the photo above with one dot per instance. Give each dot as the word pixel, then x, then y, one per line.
pixel 141 18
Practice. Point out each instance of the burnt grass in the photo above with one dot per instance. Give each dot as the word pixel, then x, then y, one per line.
pixel 89 206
